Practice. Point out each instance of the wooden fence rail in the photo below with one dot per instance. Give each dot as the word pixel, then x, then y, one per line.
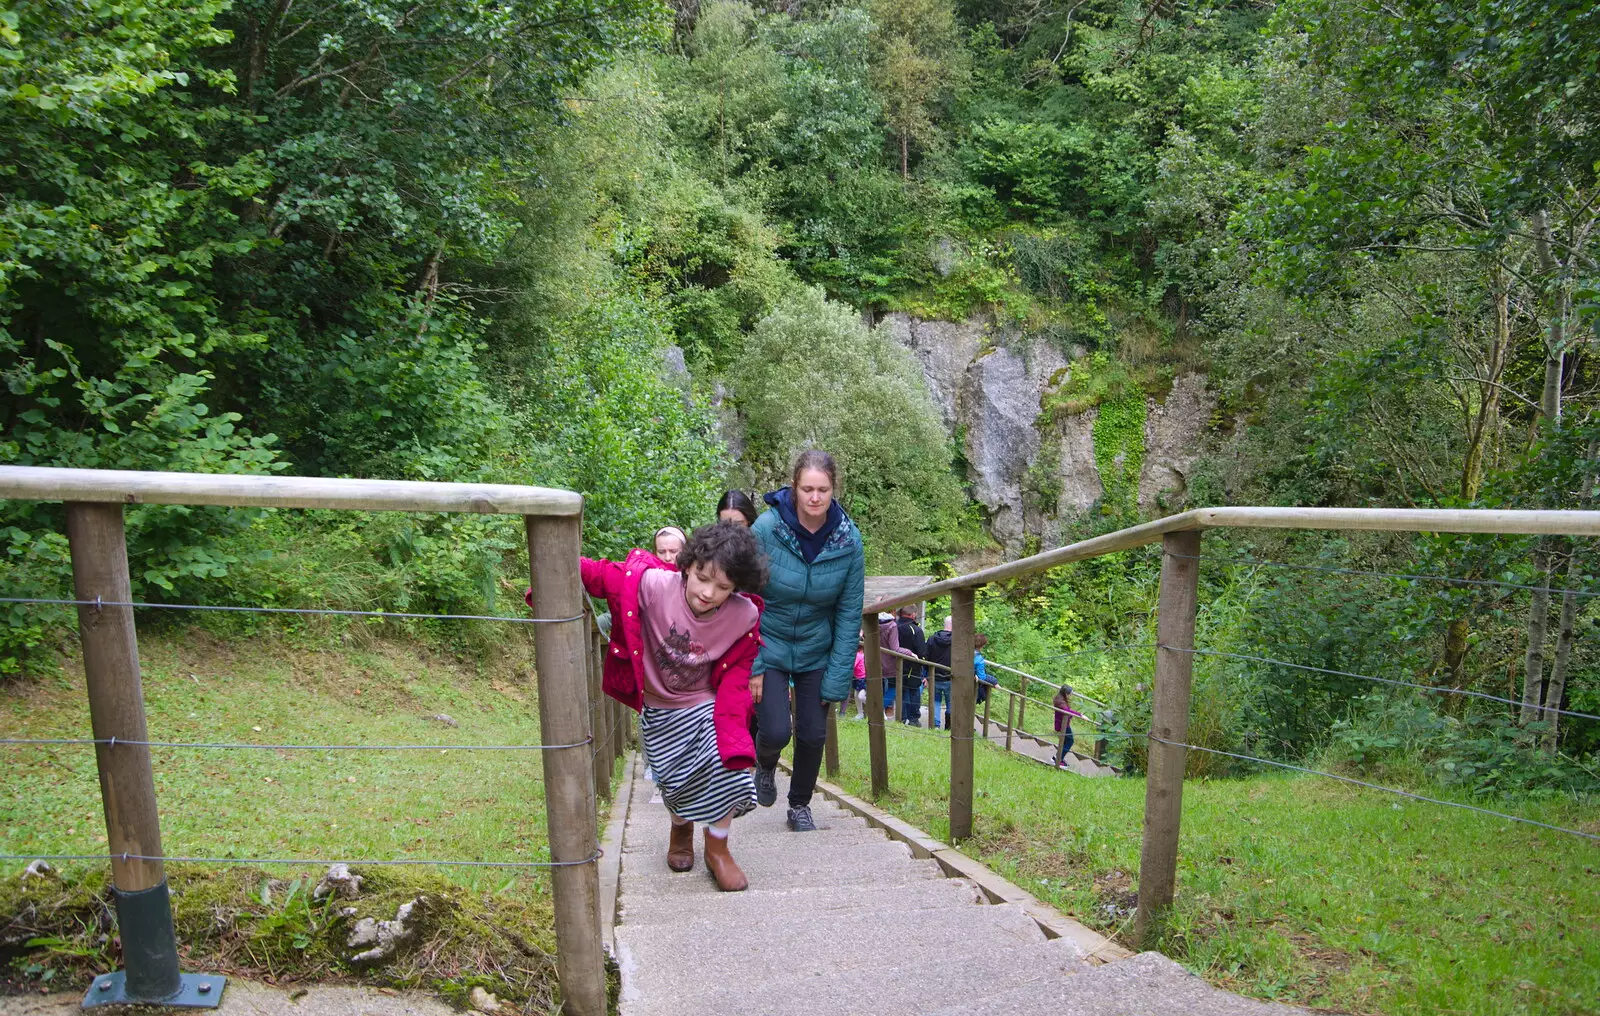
pixel 1178 604
pixel 566 653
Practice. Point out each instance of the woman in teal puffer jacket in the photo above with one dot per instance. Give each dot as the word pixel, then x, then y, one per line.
pixel 809 628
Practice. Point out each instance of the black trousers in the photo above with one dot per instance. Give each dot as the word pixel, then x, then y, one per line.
pixel 810 728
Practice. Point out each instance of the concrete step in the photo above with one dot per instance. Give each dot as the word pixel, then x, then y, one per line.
pixel 715 964
pixel 1148 984
pixel 836 826
pixel 760 901
pixel 654 841
pixel 648 877
pixel 907 980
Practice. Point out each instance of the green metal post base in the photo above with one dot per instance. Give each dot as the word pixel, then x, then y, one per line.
pixel 195 991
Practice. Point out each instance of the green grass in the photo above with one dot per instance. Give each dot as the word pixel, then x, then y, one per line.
pixel 312 804
pixel 1292 888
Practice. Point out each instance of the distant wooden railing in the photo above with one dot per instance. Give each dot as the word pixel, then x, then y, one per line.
pixel 573 716
pixel 1177 606
pixel 1016 702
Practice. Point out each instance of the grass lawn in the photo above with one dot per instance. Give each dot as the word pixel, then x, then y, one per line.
pixel 1292 888
pixel 276 804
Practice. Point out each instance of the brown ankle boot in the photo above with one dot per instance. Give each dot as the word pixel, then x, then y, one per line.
pixel 680 849
pixel 730 879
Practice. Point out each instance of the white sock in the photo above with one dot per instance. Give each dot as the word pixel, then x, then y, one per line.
pixel 681 821
pixel 720 834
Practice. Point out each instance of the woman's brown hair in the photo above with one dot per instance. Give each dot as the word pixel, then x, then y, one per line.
pixel 815 458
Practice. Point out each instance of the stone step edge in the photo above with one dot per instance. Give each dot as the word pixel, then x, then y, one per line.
pixel 610 866
pixel 1097 948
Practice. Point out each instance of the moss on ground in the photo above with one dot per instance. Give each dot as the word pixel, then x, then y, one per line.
pixel 60 931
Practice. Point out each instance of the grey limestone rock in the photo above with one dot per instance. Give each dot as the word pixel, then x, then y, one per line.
pixel 1174 435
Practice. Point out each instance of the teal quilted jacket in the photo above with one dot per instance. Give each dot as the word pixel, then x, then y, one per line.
pixel 813 611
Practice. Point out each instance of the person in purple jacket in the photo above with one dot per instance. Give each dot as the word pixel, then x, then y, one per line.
pixel 1064 715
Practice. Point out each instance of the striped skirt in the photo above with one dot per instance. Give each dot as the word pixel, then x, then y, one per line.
pixel 680 749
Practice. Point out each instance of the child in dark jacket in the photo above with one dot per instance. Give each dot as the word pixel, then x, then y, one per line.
pixel 681 646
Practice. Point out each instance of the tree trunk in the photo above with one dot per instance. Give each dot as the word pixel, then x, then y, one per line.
pixel 1555 343
pixel 1487 425
pixel 1569 609
pixel 1481 438
pixel 1558 668
pixel 905 156
pixel 1538 620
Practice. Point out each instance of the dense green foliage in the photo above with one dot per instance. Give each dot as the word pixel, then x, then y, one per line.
pixel 598 245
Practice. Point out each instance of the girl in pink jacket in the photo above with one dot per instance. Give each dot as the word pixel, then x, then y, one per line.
pixel 682 641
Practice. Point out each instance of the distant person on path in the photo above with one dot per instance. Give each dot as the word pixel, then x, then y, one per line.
pixel 669 543
pixel 858 683
pixel 980 642
pixel 888 666
pixel 914 642
pixel 1064 715
pixel 735 506
pixel 810 626
pixel 680 654
pixel 938 651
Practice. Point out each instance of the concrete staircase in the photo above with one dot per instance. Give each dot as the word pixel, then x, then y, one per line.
pixel 844 920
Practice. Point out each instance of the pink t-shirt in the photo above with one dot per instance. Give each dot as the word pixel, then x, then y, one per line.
pixel 680 648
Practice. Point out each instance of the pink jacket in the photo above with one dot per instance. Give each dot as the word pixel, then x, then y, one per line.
pixel 622 675
pixel 1064 714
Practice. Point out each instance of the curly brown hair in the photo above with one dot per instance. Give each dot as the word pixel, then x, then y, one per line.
pixel 731 547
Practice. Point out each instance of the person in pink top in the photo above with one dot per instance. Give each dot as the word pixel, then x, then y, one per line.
pixel 682 641
pixel 858 683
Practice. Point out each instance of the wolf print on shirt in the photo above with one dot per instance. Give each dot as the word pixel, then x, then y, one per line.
pixel 682 661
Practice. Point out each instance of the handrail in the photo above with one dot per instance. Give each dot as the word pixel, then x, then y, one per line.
pixel 909 658
pixel 1176 611
pixel 567 667
pixel 1416 520
pixel 249 490
pixel 1034 677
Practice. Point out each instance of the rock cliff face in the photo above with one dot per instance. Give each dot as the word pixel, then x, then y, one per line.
pixel 989 384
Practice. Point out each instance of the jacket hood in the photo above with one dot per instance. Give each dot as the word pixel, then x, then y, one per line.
pixel 838 534
pixel 943 638
pixel 783 500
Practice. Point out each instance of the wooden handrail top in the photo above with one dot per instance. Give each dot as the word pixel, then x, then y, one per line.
pixel 40 483
pixel 911 658
pixel 1398 520
pixel 1035 677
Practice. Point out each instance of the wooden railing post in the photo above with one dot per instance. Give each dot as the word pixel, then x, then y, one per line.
pixel 963 706
pixel 988 696
pixel 1011 717
pixel 931 694
pixel 830 750
pixel 600 750
pixel 899 690
pixel 1169 726
pixel 622 716
pixel 127 786
pixel 876 748
pixel 553 547
pixel 1022 707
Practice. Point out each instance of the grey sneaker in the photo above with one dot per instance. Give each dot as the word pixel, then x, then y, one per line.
pixel 800 820
pixel 766 787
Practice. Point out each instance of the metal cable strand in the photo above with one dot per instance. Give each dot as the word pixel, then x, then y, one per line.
pixel 294 610
pixel 114 741
pixel 1076 652
pixel 1389 575
pixel 125 857
pixel 1380 680
pixel 1377 786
